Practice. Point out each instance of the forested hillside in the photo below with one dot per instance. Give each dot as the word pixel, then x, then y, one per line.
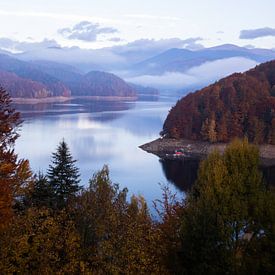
pixel 236 106
pixel 96 83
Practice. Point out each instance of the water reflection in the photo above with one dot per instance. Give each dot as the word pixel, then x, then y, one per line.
pixel 111 109
pixel 183 174
pixel 99 133
pixel 106 132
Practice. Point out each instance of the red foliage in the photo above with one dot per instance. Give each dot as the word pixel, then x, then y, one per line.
pixel 241 104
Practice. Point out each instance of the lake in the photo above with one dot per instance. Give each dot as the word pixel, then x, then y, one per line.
pixel 108 132
pixel 98 133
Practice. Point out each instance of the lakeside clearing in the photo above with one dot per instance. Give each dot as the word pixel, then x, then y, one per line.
pixel 165 147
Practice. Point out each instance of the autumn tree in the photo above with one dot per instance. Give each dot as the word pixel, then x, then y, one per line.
pixel 63 175
pixel 208 130
pixel 238 106
pixel 116 236
pixel 14 173
pixel 40 242
pixel 225 212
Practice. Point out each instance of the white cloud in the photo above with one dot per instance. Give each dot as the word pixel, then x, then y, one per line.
pixel 203 74
pixel 86 31
pixel 256 33
pixel 24 46
pixel 153 17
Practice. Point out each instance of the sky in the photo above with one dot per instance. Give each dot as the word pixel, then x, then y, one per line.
pixel 106 23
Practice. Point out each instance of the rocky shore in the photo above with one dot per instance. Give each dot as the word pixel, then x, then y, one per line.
pixel 165 149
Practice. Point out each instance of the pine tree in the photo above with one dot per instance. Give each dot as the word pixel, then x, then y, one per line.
pixel 63 175
pixel 42 194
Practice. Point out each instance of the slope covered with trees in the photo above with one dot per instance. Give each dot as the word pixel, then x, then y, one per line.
pixel 240 105
pixel 21 87
pixel 96 83
pixel 47 79
pixel 29 72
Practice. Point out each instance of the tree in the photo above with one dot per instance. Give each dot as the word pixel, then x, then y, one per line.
pixel 63 175
pixel 14 173
pixel 225 217
pixel 42 194
pixel 208 129
pixel 116 237
pixel 40 242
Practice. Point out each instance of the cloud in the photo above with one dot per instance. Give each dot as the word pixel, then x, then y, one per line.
pixel 153 17
pixel 196 76
pixel 115 39
pixel 15 46
pixel 141 49
pixel 86 31
pixel 255 33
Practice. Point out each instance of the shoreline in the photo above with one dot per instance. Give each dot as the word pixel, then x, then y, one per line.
pixel 164 149
pixel 58 99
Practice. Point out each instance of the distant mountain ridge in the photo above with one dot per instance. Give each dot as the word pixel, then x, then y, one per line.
pixel 25 70
pixel 40 79
pixel 240 105
pixel 180 60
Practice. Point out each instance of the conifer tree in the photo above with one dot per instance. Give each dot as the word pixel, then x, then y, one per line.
pixel 42 194
pixel 63 175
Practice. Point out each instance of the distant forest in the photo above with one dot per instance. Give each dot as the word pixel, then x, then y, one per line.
pixel 240 105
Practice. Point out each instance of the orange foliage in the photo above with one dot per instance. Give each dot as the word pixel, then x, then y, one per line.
pixel 242 105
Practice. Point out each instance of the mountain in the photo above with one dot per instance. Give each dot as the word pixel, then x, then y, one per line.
pixel 236 106
pixel 20 87
pixel 62 72
pixel 180 60
pixel 28 71
pixel 142 90
pixel 37 79
pixel 96 83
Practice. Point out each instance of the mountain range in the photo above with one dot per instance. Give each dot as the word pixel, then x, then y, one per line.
pixel 121 70
pixel 40 79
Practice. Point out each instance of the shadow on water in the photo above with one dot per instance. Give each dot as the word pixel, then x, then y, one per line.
pixel 183 174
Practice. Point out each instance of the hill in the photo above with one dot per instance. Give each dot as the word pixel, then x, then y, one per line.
pixel 236 106
pixel 20 87
pixel 40 79
pixel 96 83
pixel 27 71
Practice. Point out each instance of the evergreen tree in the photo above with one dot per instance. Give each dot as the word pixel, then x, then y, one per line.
pixel 63 175
pixel 42 194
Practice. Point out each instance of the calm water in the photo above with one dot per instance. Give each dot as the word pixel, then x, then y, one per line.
pixel 99 133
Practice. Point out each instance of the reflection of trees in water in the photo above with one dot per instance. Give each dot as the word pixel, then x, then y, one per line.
pixel 183 174
pixel 76 106
pixel 269 175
